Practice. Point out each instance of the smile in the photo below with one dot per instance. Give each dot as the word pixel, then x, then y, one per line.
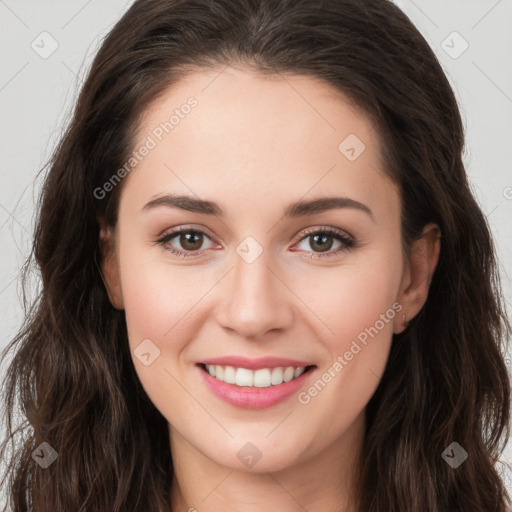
pixel 262 378
pixel 254 389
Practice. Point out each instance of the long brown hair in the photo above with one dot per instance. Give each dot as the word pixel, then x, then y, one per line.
pixel 72 374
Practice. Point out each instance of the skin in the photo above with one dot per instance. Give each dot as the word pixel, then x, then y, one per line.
pixel 255 144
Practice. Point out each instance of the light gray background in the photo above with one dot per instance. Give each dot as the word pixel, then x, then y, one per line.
pixel 36 95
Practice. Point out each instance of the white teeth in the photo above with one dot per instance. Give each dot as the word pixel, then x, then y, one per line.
pixel 262 378
pixel 288 374
pixel 298 371
pixel 229 374
pixel 243 377
pixel 277 376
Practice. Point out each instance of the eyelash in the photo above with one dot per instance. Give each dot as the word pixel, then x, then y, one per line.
pixel 348 242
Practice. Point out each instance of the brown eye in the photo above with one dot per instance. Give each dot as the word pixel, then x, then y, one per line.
pixel 184 242
pixel 191 240
pixel 322 242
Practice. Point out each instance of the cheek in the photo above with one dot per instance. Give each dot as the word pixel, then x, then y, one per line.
pixel 351 298
pixel 359 306
pixel 157 298
pixel 159 306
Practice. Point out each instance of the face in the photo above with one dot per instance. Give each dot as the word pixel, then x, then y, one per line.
pixel 321 287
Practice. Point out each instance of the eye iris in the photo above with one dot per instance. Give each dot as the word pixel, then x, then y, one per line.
pixel 187 243
pixel 323 237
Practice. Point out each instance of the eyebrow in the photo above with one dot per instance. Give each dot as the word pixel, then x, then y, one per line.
pixel 294 210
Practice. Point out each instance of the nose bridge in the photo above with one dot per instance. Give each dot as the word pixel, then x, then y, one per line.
pixel 255 299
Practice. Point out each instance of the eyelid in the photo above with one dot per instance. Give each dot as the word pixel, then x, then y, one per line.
pixel 322 229
pixel 177 230
pixel 302 234
pixel 347 240
pixel 185 228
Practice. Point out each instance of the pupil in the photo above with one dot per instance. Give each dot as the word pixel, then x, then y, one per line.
pixel 323 237
pixel 186 240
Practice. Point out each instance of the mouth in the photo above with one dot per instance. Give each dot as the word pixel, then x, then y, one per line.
pixel 254 389
pixel 261 378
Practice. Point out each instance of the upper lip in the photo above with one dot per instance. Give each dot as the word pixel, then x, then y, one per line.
pixel 255 364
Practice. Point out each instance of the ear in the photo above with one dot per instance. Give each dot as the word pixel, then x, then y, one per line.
pixel 419 269
pixel 109 266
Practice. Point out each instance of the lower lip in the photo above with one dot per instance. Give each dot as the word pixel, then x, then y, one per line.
pixel 253 397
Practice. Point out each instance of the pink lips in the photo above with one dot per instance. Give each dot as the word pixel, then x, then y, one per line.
pixel 253 397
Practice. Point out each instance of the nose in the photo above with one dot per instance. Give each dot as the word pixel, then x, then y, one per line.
pixel 256 299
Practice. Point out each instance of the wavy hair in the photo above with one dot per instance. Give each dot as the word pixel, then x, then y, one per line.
pixel 72 375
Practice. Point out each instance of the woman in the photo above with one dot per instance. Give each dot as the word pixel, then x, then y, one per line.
pixel 200 343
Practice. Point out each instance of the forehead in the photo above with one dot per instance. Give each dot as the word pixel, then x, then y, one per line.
pixel 279 135
pixel 261 107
